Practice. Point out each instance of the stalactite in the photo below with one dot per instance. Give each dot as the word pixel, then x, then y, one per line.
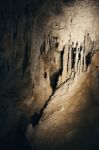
pixel 77 58
pixel 74 59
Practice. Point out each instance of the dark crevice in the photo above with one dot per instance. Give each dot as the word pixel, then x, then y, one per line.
pixel 61 62
pixel 56 44
pixel 37 116
pixel 88 59
pixel 45 75
pixel 73 57
pixel 54 78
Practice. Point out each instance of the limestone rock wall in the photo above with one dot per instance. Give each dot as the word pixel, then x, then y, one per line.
pixel 49 46
pixel 43 44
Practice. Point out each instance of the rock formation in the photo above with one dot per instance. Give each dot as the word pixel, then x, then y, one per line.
pixel 49 74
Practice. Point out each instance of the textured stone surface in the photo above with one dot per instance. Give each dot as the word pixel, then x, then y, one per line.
pixel 45 52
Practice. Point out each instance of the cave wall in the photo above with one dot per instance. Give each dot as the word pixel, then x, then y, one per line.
pixel 36 43
pixel 34 39
pixel 16 26
pixel 69 26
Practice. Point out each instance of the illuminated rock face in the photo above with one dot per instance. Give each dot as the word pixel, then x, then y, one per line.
pixel 49 65
pixel 71 120
pixel 65 36
pixel 67 113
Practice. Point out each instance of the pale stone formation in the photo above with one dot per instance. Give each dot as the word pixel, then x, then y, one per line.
pixel 82 60
pixel 65 63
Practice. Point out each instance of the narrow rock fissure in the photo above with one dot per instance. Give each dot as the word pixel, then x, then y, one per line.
pixel 37 116
pixel 61 63
pixel 54 80
pixel 23 123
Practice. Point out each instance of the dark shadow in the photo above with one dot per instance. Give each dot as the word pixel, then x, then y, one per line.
pixel 21 141
pixel 54 80
pixel 26 58
pixel 88 59
pixel 73 57
pixel 45 75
